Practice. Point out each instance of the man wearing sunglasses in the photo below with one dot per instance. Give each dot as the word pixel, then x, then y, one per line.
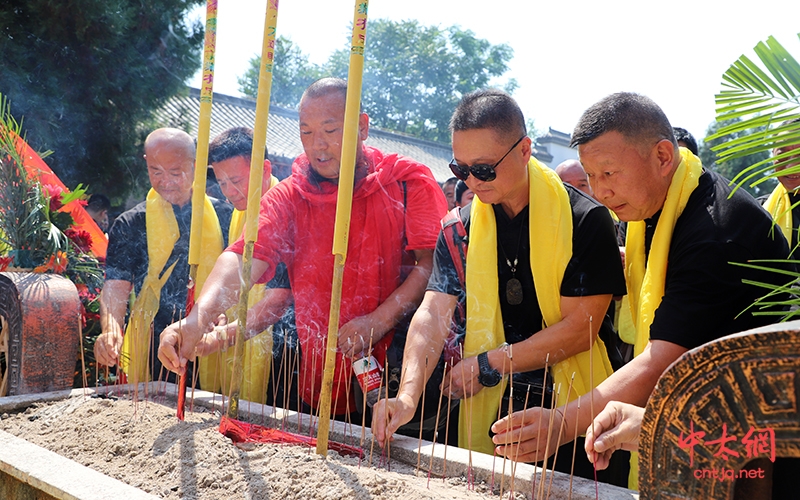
pixel 541 269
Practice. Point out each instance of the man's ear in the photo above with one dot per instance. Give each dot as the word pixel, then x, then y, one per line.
pixel 363 126
pixel 267 168
pixel 666 154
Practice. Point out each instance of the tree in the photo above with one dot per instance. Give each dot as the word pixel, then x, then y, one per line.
pixel 86 75
pixel 413 75
pixel 732 168
pixel 293 73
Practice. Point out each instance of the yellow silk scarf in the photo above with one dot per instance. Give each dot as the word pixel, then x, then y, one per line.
pixel 162 233
pixel 257 350
pixel 550 235
pixel 646 282
pixel 780 207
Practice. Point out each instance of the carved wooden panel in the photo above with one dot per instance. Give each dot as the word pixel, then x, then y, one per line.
pixel 717 408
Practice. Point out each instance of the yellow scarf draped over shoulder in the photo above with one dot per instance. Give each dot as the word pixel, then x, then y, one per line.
pixel 779 207
pixel 257 350
pixel 550 236
pixel 646 282
pixel 162 233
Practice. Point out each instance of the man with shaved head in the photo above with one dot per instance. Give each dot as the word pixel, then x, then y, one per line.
pixel 397 205
pixel 148 248
pixel 571 172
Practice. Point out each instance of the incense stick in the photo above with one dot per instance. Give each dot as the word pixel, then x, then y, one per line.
pixel 556 391
pixel 372 444
pixel 591 401
pixel 364 405
pixel 421 417
pixel 465 405
pixel 447 421
pixel 284 369
pixel 516 453
pixel 83 361
pixel 494 451
pixel 539 428
pixel 436 429
pixel 508 420
pixel 470 472
pixel 388 441
pixel 574 447
pixel 347 409
pixel 560 430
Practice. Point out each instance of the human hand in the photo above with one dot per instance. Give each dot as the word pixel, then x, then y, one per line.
pixel 107 347
pixel 177 343
pixel 220 338
pixel 355 334
pixel 617 427
pixel 389 414
pixel 461 381
pixel 523 436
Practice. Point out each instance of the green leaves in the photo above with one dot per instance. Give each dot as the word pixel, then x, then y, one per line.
pixel 414 75
pixel 757 100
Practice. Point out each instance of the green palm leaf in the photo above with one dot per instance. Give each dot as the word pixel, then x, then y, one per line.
pixel 759 95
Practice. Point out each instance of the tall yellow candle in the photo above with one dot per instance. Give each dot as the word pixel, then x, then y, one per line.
pixel 344 204
pixel 254 194
pixel 203 130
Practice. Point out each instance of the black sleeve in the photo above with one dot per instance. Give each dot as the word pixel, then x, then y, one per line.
pixel 127 247
pixel 595 267
pixel 444 277
pixel 281 277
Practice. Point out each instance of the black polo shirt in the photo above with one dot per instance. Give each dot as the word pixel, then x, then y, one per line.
pixel 704 293
pixel 595 267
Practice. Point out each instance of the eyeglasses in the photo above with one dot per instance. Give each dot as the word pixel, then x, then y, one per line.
pixel 480 171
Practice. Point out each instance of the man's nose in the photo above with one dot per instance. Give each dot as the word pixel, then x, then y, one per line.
pixel 320 142
pixel 601 189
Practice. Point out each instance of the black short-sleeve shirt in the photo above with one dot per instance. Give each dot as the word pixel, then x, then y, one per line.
pixel 127 257
pixel 704 293
pixel 595 267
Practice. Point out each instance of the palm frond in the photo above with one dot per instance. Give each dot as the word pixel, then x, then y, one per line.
pixel 760 94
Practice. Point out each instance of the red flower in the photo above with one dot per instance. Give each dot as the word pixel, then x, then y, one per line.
pixel 81 238
pixel 5 262
pixel 54 193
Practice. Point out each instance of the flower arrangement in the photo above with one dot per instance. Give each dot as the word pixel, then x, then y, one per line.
pixel 37 234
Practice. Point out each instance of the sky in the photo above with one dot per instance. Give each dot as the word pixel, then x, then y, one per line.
pixel 567 54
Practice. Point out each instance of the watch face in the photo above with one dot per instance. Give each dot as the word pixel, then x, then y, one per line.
pixel 488 377
pixel 491 379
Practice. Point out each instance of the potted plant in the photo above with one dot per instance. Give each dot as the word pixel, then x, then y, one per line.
pixel 38 235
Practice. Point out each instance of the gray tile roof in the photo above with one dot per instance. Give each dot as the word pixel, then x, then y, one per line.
pixel 283 139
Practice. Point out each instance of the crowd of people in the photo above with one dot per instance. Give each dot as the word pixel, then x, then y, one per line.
pixel 525 287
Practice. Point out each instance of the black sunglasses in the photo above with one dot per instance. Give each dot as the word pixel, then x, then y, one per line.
pixel 480 171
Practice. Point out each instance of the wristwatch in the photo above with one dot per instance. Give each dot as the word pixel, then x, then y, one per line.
pixel 488 376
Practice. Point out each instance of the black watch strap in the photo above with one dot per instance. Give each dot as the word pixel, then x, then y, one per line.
pixel 488 377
